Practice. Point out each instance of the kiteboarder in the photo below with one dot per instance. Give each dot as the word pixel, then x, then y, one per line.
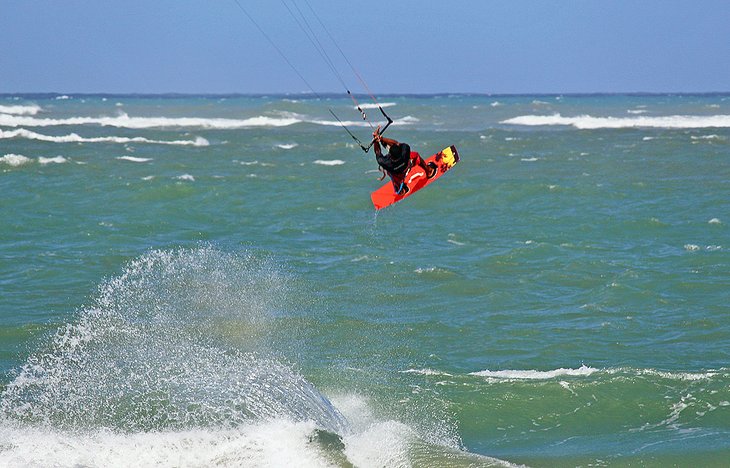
pixel 398 161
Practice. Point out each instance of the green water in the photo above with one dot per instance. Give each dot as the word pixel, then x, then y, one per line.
pixel 559 299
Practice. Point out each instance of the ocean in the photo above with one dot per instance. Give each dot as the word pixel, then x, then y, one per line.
pixel 203 281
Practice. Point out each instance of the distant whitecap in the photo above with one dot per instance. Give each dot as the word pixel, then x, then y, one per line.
pixel 134 159
pixel 76 138
pixel 591 122
pixel 54 160
pixel 15 160
pixel 408 119
pixel 421 271
pixel 708 137
pixel 333 162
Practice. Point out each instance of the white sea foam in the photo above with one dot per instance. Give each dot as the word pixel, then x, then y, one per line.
pixel 134 159
pixel 708 137
pixel 374 442
pixel 75 138
pixel 636 111
pixel 535 374
pixel 426 372
pixel 584 371
pixel 186 177
pixel 591 122
pixel 333 162
pixel 15 160
pixel 678 375
pixel 31 109
pixel 271 443
pixel 287 146
pixel 715 221
pixel 54 160
pixel 697 248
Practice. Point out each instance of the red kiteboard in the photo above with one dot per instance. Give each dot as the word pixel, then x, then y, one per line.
pixel 416 178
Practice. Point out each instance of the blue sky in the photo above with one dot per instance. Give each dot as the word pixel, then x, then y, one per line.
pixel 398 46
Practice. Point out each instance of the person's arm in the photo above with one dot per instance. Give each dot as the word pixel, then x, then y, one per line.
pixel 388 141
pixel 376 142
pixel 378 139
pixel 376 147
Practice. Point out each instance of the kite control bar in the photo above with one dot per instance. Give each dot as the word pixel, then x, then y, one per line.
pixel 357 140
pixel 390 121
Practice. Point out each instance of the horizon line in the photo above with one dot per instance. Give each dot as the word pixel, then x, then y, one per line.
pixel 311 95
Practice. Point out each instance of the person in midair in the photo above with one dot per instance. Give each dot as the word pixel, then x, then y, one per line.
pixel 398 161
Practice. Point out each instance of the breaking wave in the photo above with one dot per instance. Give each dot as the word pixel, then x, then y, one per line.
pixel 147 354
pixel 148 374
pixel 125 121
pixel 75 138
pixel 585 371
pixel 590 122
pixel 31 109
pixel 535 374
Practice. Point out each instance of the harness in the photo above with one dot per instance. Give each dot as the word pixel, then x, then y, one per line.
pixel 397 159
pixel 396 162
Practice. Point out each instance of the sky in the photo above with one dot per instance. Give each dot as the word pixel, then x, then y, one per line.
pixel 396 46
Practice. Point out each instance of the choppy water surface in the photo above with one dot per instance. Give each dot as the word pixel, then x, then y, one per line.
pixel 203 281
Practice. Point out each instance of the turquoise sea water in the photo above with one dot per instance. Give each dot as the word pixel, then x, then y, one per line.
pixel 202 281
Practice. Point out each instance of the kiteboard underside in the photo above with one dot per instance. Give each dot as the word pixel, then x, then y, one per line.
pixel 416 178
